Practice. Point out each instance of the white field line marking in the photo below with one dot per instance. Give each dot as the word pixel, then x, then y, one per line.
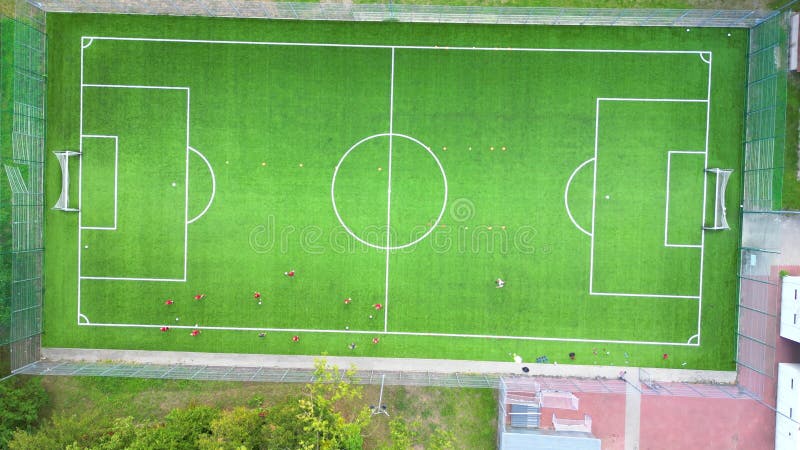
pixel 133 279
pixel 594 194
pixel 663 100
pixel 412 47
pixel 186 194
pixel 213 184
pixel 696 336
pixel 619 294
pixel 91 38
pixel 81 316
pixel 135 86
pixel 393 333
pixel 342 222
pixel 80 180
pixel 705 185
pixel 389 200
pixel 566 195
pixel 716 195
pixel 116 177
pixel 666 207
pixel 186 200
pixel 704 55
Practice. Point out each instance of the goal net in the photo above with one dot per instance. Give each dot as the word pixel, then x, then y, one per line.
pixel 720 221
pixel 63 160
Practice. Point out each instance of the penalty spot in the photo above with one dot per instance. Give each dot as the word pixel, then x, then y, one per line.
pixel 608 197
pixel 174 184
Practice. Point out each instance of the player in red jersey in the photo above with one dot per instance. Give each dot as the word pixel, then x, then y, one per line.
pixel 169 302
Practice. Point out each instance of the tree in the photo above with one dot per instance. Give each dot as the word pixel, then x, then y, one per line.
pixel 282 429
pixel 405 436
pixel 189 424
pixel 63 432
pixel 233 429
pixel 21 401
pixel 324 422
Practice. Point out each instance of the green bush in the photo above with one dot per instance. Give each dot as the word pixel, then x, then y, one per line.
pixel 21 401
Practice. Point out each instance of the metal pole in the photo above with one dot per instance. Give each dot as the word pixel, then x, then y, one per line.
pixel 380 408
pixel 674 22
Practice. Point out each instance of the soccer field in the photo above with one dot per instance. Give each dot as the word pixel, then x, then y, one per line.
pixel 403 165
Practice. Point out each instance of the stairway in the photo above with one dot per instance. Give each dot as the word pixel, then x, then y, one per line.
pixel 525 416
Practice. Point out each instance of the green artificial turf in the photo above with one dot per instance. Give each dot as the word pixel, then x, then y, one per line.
pixel 486 139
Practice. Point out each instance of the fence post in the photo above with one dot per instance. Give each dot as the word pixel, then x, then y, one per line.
pixel 686 13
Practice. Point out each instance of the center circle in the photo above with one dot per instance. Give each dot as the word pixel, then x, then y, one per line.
pixel 387 169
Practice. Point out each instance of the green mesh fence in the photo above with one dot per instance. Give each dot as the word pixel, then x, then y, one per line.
pixel 22 134
pixel 765 117
pixel 376 11
pixel 22 115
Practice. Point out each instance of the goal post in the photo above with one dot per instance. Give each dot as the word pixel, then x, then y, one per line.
pixel 63 161
pixel 720 184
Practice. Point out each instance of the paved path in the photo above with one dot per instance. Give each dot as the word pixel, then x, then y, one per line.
pixel 378 364
pixel 633 409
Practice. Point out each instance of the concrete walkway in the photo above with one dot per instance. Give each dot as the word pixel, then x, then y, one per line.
pixel 378 364
pixel 633 410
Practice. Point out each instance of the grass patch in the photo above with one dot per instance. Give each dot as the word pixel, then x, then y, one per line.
pixel 791 185
pixel 469 414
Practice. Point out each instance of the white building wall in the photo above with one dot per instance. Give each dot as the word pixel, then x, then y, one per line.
pixel 787 429
pixel 790 308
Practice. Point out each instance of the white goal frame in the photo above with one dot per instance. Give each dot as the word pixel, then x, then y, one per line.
pixel 63 161
pixel 721 182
